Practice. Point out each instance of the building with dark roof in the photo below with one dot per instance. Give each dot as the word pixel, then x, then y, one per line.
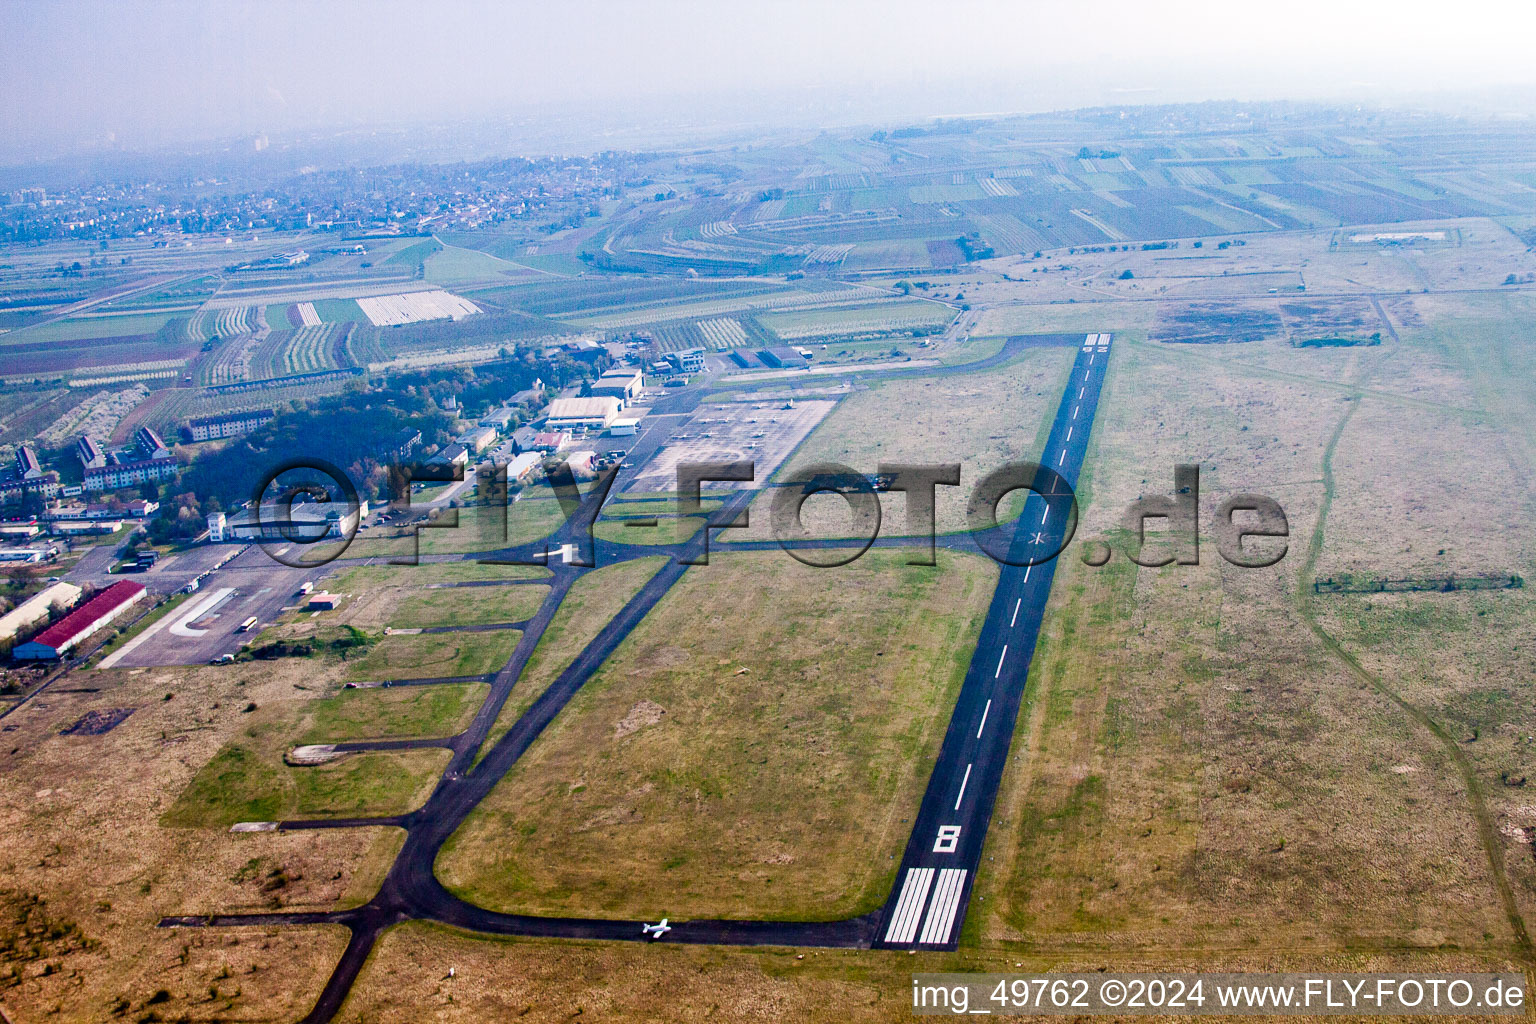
pixel 146 460
pixel 782 356
pixel 91 455
pixel 27 476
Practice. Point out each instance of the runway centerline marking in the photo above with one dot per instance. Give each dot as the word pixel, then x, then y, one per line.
pixel 1074 411
pixel 963 781
pixel 1026 573
pixel 1045 515
pixel 1015 619
pixel 1000 658
pixel 983 724
pixel 1069 433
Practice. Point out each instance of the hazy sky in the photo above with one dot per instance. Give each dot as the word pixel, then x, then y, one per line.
pixel 143 74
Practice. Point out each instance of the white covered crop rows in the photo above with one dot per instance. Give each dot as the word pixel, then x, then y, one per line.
pixel 717 229
pixel 309 350
pixel 231 321
pixel 411 307
pixel 829 254
pixel 723 333
pixel 308 315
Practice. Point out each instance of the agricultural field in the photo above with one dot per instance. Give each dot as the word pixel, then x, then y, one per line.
pixel 414 307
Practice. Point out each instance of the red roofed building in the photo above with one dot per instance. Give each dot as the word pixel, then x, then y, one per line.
pixel 57 639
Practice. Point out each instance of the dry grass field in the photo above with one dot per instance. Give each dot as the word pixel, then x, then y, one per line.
pixel 1216 758
pixel 707 766
pixel 980 420
pixel 87 838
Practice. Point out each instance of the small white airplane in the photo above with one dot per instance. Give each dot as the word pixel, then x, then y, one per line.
pixel 655 931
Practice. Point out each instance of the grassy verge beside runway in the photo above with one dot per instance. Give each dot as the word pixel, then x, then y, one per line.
pixel 754 749
pixel 592 601
pixel 428 574
pixel 375 607
pixel 672 530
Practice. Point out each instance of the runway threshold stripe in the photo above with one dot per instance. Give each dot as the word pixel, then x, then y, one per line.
pixel 967 778
pixel 941 913
pixel 983 724
pixel 914 891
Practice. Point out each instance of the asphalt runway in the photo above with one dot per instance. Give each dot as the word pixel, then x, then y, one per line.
pixel 926 909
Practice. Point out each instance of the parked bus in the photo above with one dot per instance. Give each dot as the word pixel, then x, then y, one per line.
pixel 248 625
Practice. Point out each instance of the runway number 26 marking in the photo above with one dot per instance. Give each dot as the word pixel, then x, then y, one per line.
pixel 948 840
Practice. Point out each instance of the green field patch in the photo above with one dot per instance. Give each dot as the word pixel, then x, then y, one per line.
pixel 394 712
pixel 428 573
pixel 279 318
pixel 468 606
pixel 425 655
pixel 453 265
pixel 340 311
pixel 85 328
pixel 673 530
pixel 248 781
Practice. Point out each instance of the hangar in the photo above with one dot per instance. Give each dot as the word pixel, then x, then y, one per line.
pixel 581 413
pixel 57 640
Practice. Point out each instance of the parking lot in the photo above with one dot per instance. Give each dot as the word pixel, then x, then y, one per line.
pixel 206 624
pixel 763 432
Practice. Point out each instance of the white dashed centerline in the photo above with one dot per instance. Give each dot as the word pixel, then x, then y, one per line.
pixel 963 781
pixel 1026 572
pixel 1000 658
pixel 1046 514
pixel 1015 618
pixel 1069 432
pixel 983 724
